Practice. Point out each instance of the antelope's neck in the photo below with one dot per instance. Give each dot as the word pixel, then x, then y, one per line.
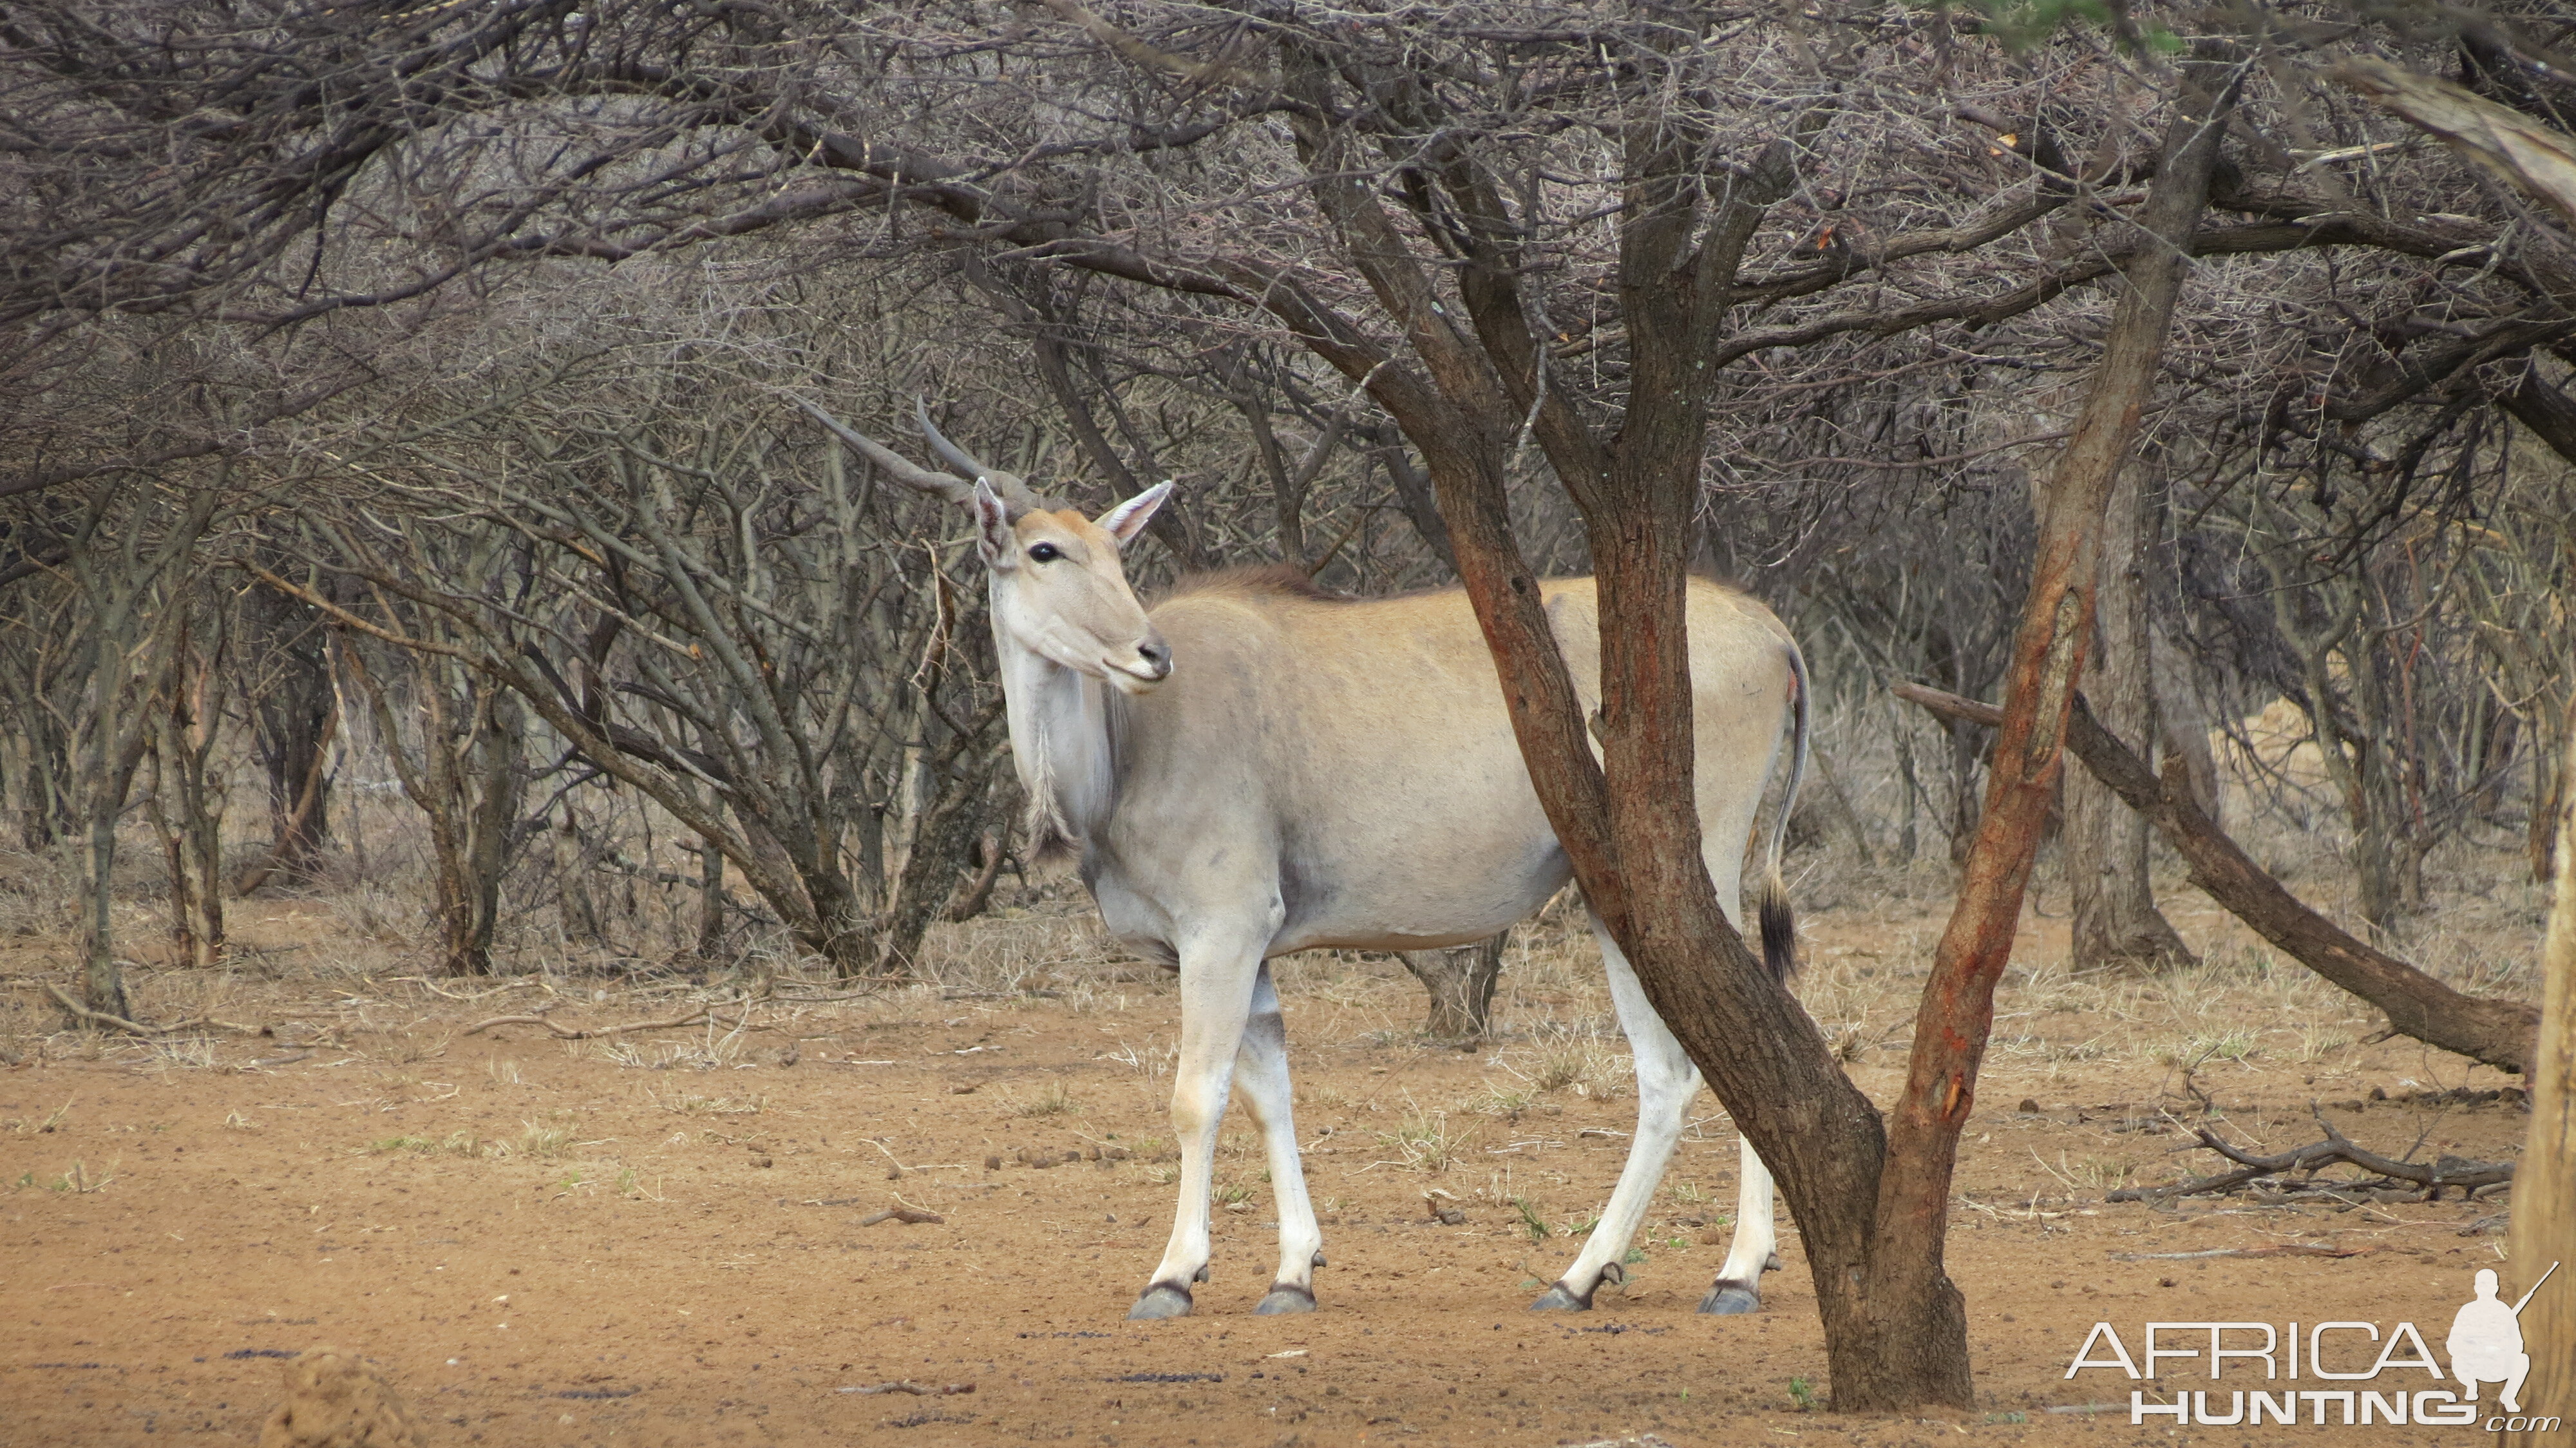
pixel 1061 722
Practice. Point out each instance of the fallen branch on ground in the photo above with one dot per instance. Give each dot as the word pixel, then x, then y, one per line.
pixel 700 1016
pixel 1000 995
pixel 431 986
pixel 2449 1171
pixel 818 1000
pixel 2500 1033
pixel 2277 1249
pixel 64 999
pixel 918 1390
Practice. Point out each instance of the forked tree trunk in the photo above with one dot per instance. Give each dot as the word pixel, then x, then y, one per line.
pixel 2544 1188
pixel 301 831
pixel 102 982
pixel 128 618
pixel 1871 1209
pixel 2116 924
pixel 1461 983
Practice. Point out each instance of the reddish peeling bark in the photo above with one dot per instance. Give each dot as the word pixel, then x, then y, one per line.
pixel 1957 1012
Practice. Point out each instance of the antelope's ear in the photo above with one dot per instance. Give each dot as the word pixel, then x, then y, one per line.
pixel 993 536
pixel 1129 518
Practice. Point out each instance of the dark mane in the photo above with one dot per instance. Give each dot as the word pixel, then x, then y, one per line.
pixel 1272 580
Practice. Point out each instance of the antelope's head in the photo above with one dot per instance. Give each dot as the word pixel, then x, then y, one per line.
pixel 1058 589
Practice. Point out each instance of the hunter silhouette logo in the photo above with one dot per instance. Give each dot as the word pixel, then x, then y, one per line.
pixel 2486 1341
pixel 2365 1374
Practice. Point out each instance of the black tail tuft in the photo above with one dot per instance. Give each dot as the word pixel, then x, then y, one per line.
pixel 1779 933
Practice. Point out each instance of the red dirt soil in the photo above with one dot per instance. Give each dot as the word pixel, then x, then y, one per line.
pixel 540 1245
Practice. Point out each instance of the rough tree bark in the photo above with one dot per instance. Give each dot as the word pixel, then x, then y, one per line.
pixel 2049 648
pixel 2116 924
pixel 2497 1032
pixel 186 805
pixel 2544 1189
pixel 1461 983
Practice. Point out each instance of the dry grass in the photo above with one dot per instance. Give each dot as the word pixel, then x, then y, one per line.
pixel 1047 1101
pixel 1425 1142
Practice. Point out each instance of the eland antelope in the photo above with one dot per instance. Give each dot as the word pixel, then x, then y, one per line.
pixel 1252 768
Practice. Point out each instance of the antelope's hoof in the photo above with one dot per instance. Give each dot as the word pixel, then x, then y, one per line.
pixel 1161 1300
pixel 1560 1299
pixel 1730 1299
pixel 1284 1298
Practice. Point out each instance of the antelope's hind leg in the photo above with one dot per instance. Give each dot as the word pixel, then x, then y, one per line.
pixel 1666 1082
pixel 1261 1073
pixel 1739 1283
pixel 1219 972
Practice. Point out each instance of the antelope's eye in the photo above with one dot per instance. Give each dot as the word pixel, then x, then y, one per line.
pixel 1045 553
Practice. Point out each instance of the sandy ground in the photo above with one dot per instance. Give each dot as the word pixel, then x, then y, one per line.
pixel 664 1238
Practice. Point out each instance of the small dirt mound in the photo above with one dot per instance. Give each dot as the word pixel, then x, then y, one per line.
pixel 334 1400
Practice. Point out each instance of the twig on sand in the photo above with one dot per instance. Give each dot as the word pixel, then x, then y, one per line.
pixel 2449 1171
pixel 2277 1249
pixel 918 1390
pixel 425 983
pixel 63 998
pixel 700 1016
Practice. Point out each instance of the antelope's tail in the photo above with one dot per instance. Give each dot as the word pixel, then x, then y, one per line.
pixel 1779 922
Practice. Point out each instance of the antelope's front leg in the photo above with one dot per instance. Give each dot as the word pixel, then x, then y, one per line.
pixel 1261 1069
pixel 1217 977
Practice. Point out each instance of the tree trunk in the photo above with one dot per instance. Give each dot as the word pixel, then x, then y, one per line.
pixel 711 901
pixel 294 713
pixel 944 828
pixel 1871 1210
pixel 990 850
pixel 187 804
pixel 2117 925
pixel 102 982
pixel 300 823
pixel 36 792
pixel 492 787
pixel 2549 796
pixel 1461 983
pixel 579 912
pixel 2544 1186
pixel 467 784
pixel 1901 1287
